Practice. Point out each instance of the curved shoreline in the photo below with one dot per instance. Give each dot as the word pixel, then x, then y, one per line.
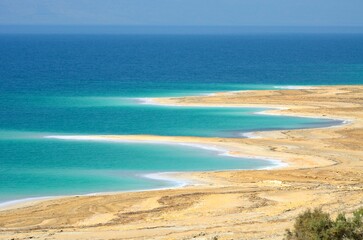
pixel 165 176
pixel 325 171
pixel 173 176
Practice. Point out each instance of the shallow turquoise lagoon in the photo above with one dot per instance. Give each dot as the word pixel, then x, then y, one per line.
pixel 45 167
pixel 33 165
pixel 112 115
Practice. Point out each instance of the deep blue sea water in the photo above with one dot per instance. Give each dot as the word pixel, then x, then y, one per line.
pixel 87 84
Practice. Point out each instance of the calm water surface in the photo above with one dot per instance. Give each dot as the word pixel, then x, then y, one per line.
pixel 87 84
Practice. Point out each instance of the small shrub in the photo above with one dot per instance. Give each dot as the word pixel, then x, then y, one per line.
pixel 318 225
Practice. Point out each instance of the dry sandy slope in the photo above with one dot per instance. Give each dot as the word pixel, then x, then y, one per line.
pixel 326 169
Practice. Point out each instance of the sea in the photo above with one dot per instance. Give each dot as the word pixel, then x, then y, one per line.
pixel 56 88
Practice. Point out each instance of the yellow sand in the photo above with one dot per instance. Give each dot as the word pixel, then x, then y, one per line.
pixel 325 170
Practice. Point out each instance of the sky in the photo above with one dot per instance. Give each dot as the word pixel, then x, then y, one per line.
pixel 183 12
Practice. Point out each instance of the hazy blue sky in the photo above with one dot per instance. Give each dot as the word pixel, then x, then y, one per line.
pixel 183 12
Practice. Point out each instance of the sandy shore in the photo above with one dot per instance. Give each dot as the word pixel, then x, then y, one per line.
pixel 324 169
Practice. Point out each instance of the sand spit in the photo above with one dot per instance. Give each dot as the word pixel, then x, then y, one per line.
pixel 324 169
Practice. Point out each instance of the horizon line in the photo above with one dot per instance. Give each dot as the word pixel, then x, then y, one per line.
pixel 139 25
pixel 172 29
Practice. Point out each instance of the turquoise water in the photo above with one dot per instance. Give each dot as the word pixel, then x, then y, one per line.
pixel 33 165
pixel 87 115
pixel 33 168
pixel 83 85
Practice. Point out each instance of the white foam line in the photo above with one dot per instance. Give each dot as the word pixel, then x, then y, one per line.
pixel 251 135
pixel 146 101
pixel 294 87
pixel 165 176
pixel 113 139
pixel 8 204
pixel 160 176
pixel 275 162
pixel 75 137
pixel 152 101
pixel 219 150
pixel 240 91
pixel 105 138
pixel 226 92
pixel 254 134
pixel 268 109
pixel 269 112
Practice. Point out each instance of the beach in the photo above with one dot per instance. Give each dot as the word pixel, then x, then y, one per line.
pixel 322 168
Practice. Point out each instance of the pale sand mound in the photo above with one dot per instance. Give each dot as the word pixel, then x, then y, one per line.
pixel 325 169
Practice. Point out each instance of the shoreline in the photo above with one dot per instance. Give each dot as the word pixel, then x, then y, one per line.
pixel 173 176
pixel 164 176
pixel 325 169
